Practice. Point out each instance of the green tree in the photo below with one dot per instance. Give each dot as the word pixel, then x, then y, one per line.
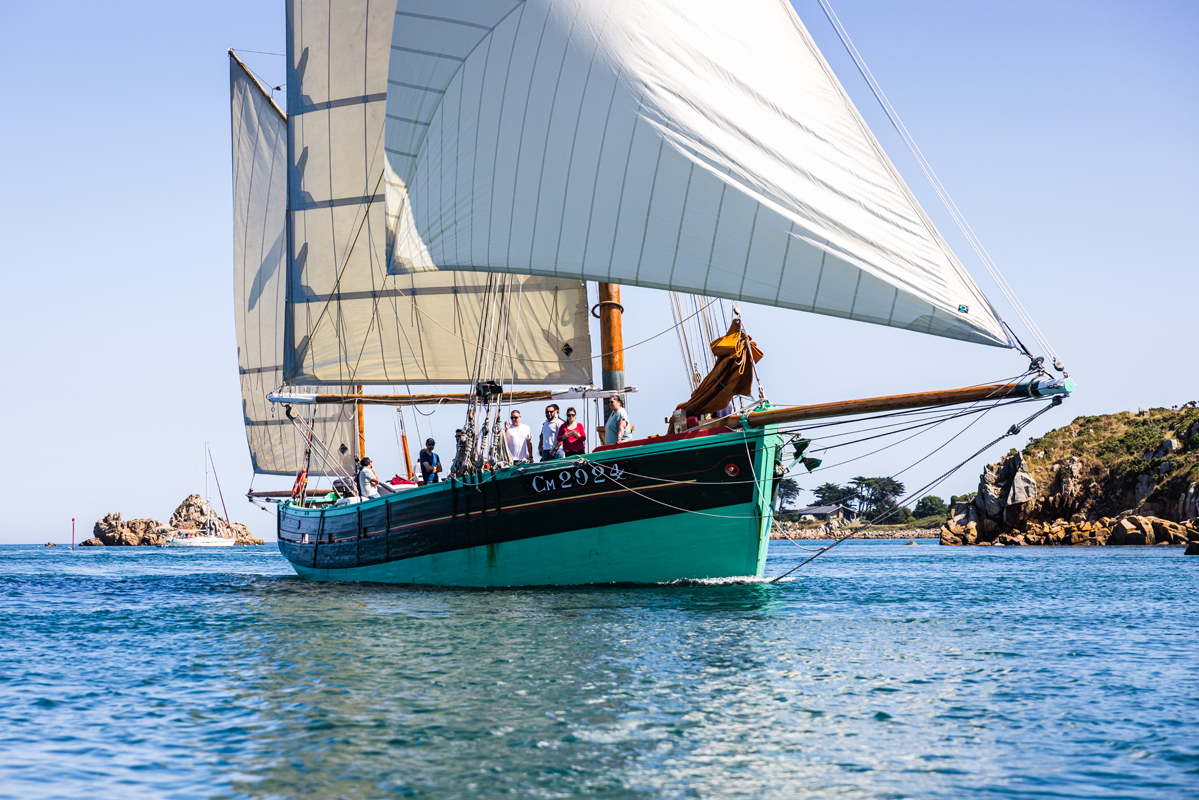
pixel 832 494
pixel 788 492
pixel 876 495
pixel 931 506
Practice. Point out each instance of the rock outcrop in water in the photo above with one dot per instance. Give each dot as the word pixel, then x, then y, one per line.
pixel 112 531
pixel 192 513
pixel 1110 480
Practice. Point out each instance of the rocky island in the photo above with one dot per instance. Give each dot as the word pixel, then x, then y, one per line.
pixel 1115 479
pixel 112 531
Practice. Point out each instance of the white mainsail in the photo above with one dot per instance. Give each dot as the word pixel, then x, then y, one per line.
pixel 259 271
pixel 699 146
pixel 349 321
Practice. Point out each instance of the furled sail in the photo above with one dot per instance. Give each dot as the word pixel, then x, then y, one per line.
pixel 259 259
pixel 349 321
pixel 701 146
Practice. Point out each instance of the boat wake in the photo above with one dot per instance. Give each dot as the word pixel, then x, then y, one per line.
pixel 736 580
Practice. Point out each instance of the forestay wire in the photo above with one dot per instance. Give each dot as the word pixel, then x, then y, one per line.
pixel 1012 431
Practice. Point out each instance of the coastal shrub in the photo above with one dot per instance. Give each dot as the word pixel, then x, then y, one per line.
pixel 1111 450
pixel 931 506
pixel 1142 435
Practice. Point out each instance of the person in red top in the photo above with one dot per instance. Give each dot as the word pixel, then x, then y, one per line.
pixel 572 436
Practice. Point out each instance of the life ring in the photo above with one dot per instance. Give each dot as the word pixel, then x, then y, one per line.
pixel 297 491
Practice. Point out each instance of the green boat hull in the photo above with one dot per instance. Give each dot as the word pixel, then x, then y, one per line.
pixel 690 508
pixel 648 551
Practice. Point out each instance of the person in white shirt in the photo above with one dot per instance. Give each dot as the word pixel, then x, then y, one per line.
pixel 368 482
pixel 520 438
pixel 549 433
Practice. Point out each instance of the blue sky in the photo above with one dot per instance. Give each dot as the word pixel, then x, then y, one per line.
pixel 1065 131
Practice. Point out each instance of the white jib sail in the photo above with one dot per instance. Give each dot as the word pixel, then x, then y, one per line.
pixel 700 146
pixel 352 322
pixel 259 269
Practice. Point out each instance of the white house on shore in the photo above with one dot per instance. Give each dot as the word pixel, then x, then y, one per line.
pixel 825 513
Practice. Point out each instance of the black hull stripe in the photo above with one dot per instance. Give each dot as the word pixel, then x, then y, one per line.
pixel 505 510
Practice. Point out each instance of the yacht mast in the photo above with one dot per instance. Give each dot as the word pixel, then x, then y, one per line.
pixel 207 506
pixel 361 427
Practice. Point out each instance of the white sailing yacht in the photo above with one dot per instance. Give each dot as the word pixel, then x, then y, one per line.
pixel 208 536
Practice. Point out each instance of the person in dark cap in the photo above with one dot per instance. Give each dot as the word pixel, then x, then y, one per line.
pixel 430 463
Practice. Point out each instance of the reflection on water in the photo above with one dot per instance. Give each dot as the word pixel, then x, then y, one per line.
pixel 880 671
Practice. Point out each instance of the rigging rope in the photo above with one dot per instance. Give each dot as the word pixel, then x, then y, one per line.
pixel 523 359
pixel 926 425
pixel 942 193
pixel 1012 431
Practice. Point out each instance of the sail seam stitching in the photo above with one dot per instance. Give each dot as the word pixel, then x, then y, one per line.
pixel 748 250
pixel 628 160
pixel 715 233
pixel 573 142
pixel 599 160
pixel 487 37
pixel 546 144
pixel 820 276
pixel 682 218
pixel 520 140
pixel 778 292
pixel 391 82
pixel 650 205
pixel 413 50
pixel 414 15
pixel 495 159
pixel 856 288
pixel 405 119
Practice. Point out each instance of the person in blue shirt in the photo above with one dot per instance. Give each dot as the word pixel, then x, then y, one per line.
pixel 430 463
pixel 617 429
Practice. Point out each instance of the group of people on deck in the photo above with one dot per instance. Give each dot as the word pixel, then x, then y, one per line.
pixel 563 438
pixel 560 438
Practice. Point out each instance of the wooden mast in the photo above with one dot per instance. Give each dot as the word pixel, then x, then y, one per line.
pixel 609 311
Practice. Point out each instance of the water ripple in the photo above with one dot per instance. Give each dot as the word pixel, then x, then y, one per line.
pixel 879 671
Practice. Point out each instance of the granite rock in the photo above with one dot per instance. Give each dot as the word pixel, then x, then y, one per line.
pixel 108 529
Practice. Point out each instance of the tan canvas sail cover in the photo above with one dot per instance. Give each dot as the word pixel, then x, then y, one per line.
pixel 350 322
pixel 259 270
pixel 731 376
pixel 702 146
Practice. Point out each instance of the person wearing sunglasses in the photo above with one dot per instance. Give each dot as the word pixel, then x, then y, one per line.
pixel 520 438
pixel 430 463
pixel 549 433
pixel 572 436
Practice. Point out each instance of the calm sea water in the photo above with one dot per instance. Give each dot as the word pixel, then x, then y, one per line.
pixel 882 670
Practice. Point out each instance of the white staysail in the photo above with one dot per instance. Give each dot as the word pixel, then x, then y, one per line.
pixel 699 146
pixel 259 270
pixel 350 322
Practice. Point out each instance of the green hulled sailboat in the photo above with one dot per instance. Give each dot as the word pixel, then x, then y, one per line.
pixel 428 211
